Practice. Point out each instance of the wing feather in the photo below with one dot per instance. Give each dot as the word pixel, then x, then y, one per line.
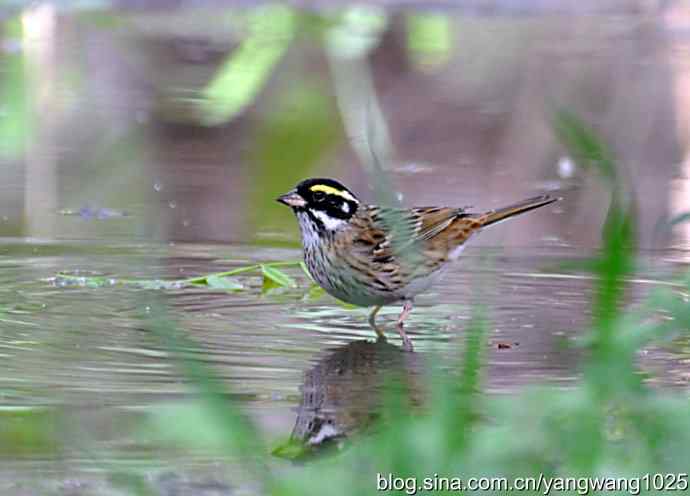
pixel 394 232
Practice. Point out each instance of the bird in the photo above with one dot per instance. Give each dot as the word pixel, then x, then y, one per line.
pixel 371 255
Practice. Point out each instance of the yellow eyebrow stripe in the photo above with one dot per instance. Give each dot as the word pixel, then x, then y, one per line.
pixel 331 191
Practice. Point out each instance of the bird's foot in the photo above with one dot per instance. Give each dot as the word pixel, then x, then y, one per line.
pixel 407 342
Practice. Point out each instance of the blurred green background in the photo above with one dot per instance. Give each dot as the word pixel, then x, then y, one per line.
pixel 192 119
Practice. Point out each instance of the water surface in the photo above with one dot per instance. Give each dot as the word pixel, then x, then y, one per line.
pixel 293 362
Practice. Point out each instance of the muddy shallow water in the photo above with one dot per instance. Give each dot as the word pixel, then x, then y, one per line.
pixel 292 362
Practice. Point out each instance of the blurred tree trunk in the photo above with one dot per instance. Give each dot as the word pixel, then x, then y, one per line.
pixel 40 200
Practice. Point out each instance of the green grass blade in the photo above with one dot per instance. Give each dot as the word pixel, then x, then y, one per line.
pixel 277 276
pixel 221 282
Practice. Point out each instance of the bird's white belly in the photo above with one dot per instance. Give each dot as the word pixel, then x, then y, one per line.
pixel 456 252
pixel 420 284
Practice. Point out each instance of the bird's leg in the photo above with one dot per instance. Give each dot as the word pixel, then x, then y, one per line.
pixel 372 322
pixel 407 342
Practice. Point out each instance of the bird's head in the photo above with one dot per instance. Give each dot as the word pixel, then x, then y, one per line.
pixel 326 202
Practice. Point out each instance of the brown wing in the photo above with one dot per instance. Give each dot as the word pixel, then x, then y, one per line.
pixel 388 234
pixel 386 249
pixel 392 246
pixel 433 231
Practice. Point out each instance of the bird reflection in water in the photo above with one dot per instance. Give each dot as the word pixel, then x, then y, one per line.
pixel 343 391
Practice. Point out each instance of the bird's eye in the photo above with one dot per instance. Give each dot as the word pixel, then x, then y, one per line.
pixel 319 196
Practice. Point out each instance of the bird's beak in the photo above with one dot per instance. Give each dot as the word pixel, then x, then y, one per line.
pixel 292 199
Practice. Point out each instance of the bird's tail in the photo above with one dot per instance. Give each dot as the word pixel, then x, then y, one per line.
pixel 501 214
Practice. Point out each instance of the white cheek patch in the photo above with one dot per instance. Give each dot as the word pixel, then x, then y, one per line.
pixel 329 222
pixel 327 431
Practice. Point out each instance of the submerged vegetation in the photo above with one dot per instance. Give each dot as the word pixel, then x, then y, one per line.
pixel 271 275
